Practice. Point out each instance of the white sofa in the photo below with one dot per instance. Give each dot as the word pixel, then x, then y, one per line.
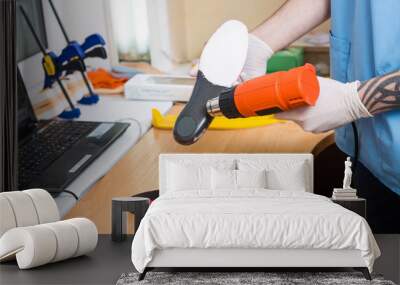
pixel 31 231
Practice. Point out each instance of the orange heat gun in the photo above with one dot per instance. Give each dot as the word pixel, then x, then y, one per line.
pixel 268 94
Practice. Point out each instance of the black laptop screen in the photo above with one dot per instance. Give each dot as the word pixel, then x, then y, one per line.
pixel 26 116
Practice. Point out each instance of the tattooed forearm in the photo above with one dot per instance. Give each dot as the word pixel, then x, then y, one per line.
pixel 381 94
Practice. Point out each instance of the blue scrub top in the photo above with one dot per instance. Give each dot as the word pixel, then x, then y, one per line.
pixel 365 43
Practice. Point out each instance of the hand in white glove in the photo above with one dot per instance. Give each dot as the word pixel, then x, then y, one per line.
pixel 256 62
pixel 337 105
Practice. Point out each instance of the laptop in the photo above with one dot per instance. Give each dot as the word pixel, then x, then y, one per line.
pixel 52 153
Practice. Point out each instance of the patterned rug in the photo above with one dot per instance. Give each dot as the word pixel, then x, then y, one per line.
pixel 244 278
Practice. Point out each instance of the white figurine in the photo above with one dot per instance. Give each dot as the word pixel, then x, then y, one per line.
pixel 347 174
pixel 345 193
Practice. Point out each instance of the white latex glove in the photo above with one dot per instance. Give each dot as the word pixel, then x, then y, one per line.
pixel 257 55
pixel 338 104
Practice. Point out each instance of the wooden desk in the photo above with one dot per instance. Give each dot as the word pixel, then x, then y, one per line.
pixel 137 171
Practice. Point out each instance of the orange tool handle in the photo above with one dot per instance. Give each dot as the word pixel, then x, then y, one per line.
pixel 276 92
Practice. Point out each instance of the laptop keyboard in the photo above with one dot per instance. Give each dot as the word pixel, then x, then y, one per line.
pixel 47 145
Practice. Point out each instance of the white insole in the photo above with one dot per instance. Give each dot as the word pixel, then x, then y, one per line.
pixel 225 53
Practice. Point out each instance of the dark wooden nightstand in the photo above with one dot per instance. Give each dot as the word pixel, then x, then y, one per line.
pixel 357 205
pixel 122 205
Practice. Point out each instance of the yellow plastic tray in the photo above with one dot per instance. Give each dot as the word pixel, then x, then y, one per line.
pixel 167 122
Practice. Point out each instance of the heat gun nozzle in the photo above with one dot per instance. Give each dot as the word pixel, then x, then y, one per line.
pixel 223 105
pixel 213 108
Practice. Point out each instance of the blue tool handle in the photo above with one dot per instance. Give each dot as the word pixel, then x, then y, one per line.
pixel 72 50
pixel 93 40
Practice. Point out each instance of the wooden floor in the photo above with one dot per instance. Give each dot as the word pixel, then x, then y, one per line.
pixel 137 171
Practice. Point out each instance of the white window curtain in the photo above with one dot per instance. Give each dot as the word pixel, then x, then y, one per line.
pixel 130 27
